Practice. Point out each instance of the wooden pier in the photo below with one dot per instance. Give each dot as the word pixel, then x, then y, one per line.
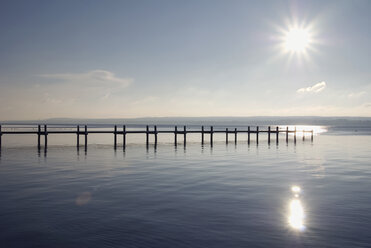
pixel 78 130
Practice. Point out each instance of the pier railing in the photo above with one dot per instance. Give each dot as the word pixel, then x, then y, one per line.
pixel 42 131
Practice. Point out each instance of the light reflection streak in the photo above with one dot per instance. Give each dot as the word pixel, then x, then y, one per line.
pixel 296 210
pixel 299 129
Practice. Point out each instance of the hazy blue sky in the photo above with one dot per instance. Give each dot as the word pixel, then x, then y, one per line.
pixel 101 59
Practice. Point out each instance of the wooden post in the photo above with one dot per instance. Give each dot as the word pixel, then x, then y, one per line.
pixel 202 135
pixel 124 136
pixel 155 135
pixel 38 136
pixel 176 136
pixel 311 136
pixel 248 135
pixel 211 135
pixel 1 134
pixel 185 135
pixel 303 135
pixel 235 136
pixel 45 136
pixel 78 137
pixel 269 135
pixel 86 137
pixel 295 135
pixel 277 133
pixel 257 135
pixel 287 134
pixel 147 135
pixel 115 137
pixel 226 135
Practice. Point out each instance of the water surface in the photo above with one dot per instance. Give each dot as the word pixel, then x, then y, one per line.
pixel 225 196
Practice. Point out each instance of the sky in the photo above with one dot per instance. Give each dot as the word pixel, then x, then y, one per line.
pixel 126 59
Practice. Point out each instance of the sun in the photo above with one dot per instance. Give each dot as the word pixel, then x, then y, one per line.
pixel 297 40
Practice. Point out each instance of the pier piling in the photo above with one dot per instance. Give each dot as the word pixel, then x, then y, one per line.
pixel 185 136
pixel 277 133
pixel 211 135
pixel 248 135
pixel 202 135
pixel 295 135
pixel 147 136
pixel 235 136
pixel 124 136
pixel 269 135
pixel 176 136
pixel 86 137
pixel 45 137
pixel 115 137
pixel 257 135
pixel 155 131
pixel 226 135
pixel 38 136
pixel 78 137
pixel 287 134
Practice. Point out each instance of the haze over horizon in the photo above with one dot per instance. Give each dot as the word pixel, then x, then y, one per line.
pixel 128 59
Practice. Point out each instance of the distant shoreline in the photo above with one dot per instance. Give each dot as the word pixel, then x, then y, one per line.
pixel 256 120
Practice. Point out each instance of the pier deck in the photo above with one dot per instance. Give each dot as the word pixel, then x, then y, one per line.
pixel 43 131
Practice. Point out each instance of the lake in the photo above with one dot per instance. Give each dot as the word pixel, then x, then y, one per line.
pixel 286 195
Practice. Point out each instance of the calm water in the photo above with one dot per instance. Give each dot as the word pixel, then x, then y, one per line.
pixel 225 196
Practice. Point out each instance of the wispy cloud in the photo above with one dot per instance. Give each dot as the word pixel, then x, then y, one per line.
pixel 94 78
pixel 81 87
pixel 357 94
pixel 93 93
pixel 313 89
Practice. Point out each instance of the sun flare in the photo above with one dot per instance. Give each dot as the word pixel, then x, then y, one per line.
pixel 297 40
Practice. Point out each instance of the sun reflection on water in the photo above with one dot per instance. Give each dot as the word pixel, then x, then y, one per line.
pixel 296 210
pixel 316 129
pixel 307 128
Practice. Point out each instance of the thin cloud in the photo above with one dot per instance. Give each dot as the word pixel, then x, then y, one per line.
pixel 357 94
pixel 94 78
pixel 313 89
pixel 82 87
